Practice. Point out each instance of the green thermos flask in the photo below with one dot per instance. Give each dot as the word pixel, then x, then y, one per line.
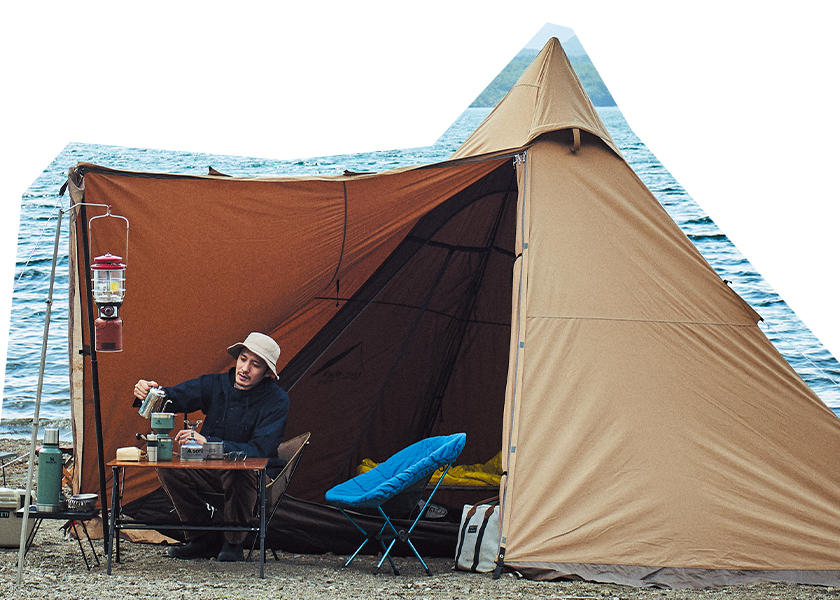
pixel 50 466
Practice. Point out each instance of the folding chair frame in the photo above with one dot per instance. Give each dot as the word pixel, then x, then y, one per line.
pixel 287 472
pixel 394 535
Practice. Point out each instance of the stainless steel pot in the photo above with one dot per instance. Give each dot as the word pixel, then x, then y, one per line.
pixel 214 450
pixel 81 502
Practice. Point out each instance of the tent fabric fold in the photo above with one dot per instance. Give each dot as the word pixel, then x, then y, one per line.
pixel 530 292
pixel 679 578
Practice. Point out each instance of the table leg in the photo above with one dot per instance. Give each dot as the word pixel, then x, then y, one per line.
pixel 31 537
pixel 115 503
pixel 262 523
pixel 90 541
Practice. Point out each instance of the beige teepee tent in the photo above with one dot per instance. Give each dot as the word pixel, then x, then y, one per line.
pixel 530 292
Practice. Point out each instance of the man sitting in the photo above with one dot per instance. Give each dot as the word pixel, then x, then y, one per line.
pixel 246 409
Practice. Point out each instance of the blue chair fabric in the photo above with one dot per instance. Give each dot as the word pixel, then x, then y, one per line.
pixel 408 468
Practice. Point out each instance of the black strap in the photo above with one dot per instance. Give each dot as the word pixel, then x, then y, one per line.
pixel 463 533
pixel 487 514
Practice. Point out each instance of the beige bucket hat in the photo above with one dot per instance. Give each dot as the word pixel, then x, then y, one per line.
pixel 261 345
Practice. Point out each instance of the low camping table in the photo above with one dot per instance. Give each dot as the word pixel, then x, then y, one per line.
pixel 73 517
pixel 118 523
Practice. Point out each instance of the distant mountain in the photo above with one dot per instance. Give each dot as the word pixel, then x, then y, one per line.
pixel 548 31
pixel 585 70
pixel 573 48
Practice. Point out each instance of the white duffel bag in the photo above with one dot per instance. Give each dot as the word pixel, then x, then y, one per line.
pixel 478 537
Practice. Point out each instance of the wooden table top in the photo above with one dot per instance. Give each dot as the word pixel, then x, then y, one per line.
pixel 249 464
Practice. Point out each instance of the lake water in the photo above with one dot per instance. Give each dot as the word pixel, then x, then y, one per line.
pixel 40 205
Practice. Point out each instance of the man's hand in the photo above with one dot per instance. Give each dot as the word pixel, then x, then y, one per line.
pixel 183 436
pixel 142 387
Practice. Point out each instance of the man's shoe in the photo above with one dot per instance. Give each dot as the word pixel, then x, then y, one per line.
pixel 198 548
pixel 231 553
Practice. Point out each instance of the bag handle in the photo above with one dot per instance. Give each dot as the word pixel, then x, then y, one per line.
pixel 492 501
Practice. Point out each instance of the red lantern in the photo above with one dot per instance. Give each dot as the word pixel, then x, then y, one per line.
pixel 108 285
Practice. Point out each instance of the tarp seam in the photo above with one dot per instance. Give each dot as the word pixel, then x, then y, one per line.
pixel 659 321
pixel 343 237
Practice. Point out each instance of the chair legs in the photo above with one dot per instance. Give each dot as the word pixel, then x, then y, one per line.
pixel 401 535
pixel 385 551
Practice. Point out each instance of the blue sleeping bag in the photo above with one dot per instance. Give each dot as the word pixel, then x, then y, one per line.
pixel 405 468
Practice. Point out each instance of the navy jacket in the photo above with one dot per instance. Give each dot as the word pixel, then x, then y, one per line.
pixel 251 421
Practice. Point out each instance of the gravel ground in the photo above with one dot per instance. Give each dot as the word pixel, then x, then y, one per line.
pixel 54 569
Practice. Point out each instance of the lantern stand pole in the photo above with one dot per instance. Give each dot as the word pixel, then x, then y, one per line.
pixel 94 373
pixel 42 368
pixel 35 418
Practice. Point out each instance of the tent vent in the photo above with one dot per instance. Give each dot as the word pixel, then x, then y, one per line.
pixel 521 344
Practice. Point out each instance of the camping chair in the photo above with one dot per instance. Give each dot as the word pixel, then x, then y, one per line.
pixel 409 470
pixel 289 451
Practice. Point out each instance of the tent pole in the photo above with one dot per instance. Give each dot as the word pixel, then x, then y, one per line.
pixel 36 417
pixel 94 373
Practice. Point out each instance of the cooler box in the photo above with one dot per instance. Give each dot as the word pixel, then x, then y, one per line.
pixel 10 519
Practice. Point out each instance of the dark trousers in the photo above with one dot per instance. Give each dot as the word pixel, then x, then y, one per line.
pixel 191 491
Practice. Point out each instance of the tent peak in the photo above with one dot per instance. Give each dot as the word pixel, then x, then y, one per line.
pixel 547 97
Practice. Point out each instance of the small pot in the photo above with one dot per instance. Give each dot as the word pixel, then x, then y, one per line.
pixel 214 450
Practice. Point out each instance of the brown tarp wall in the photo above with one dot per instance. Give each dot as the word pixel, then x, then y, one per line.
pixel 211 259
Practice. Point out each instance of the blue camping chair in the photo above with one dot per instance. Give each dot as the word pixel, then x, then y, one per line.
pixel 407 471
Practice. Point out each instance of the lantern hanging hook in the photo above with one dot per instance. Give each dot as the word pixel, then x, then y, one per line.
pixel 105 216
